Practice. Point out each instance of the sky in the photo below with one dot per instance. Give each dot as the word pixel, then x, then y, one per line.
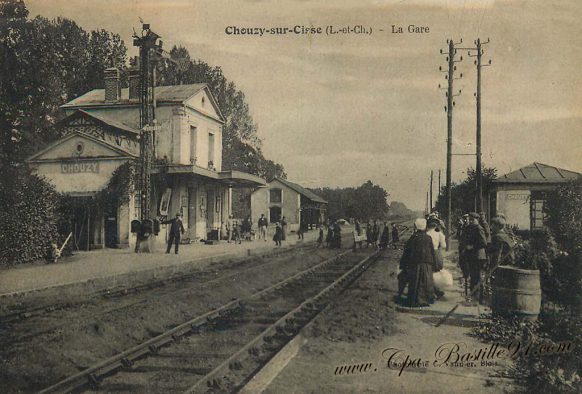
pixel 338 110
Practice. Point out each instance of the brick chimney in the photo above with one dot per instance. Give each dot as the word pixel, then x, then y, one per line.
pixel 134 84
pixel 112 86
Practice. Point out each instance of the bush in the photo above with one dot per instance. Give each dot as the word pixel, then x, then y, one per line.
pixel 500 329
pixel 563 210
pixel 555 373
pixel 28 216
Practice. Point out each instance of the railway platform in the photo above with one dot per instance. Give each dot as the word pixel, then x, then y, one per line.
pixel 106 270
pixel 356 333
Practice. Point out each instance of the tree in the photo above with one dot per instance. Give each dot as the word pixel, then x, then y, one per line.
pixel 30 225
pixel 45 63
pixel 366 202
pixel 463 194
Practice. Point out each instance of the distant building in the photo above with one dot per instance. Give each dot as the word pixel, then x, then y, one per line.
pixel 102 132
pixel 283 198
pixel 520 195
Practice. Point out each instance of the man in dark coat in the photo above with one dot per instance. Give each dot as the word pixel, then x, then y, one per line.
pixel 395 236
pixel 337 236
pixel 500 250
pixel 369 234
pixel 461 227
pixel 384 238
pixel 418 261
pixel 474 254
pixel 483 223
pixel 176 229
pixel 329 235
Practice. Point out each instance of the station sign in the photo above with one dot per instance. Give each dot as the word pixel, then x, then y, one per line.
pixel 80 167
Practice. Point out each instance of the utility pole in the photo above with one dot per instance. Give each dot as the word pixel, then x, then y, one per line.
pixel 479 172
pixel 426 212
pixel 439 183
pixel 449 110
pixel 430 205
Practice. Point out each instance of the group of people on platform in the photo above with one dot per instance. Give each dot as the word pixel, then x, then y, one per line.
pixel 333 237
pixel 376 236
pixel 481 249
pixel 280 231
pixel 236 232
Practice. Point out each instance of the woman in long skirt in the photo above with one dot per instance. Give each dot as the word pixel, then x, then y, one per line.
pixel 419 262
pixel 278 236
pixel 384 237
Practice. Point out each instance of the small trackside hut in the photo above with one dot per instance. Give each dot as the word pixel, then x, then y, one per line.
pixel 282 198
pixel 101 132
pixel 520 195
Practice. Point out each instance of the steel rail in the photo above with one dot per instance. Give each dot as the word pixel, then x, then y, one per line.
pixel 279 325
pixel 92 374
pixel 37 311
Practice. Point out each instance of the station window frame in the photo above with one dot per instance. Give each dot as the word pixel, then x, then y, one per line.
pixel 276 195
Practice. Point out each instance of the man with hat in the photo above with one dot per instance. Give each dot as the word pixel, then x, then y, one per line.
pixel 462 225
pixel 475 258
pixel 176 229
pixel 500 250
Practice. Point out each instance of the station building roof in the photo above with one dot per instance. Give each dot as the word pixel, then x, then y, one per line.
pixel 171 94
pixel 538 173
pixel 301 190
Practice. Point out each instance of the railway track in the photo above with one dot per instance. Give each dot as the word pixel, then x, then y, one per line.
pixel 204 277
pixel 219 350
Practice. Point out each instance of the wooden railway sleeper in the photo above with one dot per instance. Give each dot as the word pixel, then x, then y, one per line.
pixel 283 332
pixel 154 349
pixel 215 384
pixel 126 362
pixel 254 351
pixel 94 381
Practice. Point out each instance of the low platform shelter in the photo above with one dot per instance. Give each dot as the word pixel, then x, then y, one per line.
pixel 520 195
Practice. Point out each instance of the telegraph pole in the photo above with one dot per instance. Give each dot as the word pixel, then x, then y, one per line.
pixel 449 110
pixel 426 212
pixel 430 205
pixel 439 183
pixel 479 172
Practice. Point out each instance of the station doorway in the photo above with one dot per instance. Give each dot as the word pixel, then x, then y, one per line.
pixel 274 214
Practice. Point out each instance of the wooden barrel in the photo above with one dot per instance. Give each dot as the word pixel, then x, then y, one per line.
pixel 516 292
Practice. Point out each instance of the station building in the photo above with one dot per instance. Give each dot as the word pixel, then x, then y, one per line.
pixel 520 195
pixel 291 200
pixel 101 132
